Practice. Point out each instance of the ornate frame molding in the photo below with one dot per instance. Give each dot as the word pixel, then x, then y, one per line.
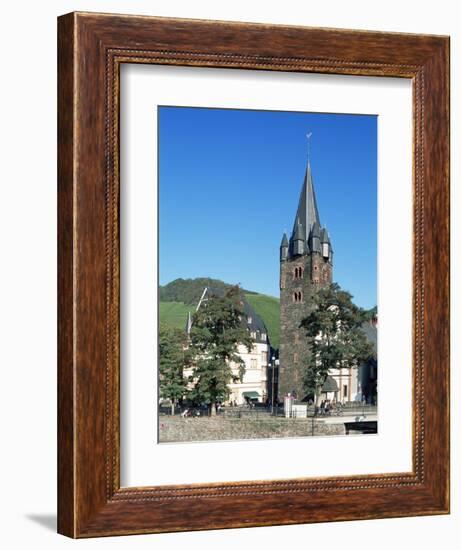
pixel 91 49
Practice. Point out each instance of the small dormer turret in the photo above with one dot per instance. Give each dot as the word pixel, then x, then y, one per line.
pixel 298 240
pixel 315 238
pixel 325 242
pixel 284 248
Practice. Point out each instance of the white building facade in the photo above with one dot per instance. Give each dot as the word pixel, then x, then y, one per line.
pixel 253 387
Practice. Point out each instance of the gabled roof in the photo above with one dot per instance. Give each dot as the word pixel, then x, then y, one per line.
pixel 307 213
pixel 330 385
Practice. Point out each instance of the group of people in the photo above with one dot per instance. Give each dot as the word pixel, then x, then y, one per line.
pixel 327 407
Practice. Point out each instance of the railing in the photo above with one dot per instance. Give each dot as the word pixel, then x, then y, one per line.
pixel 261 411
pixel 242 411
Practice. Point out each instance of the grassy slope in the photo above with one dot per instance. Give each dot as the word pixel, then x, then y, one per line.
pixel 174 314
pixel 268 308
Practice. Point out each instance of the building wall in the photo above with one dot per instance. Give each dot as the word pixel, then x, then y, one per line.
pixel 255 377
pixel 348 385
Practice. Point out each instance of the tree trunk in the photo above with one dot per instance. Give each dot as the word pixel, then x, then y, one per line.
pixel 212 409
pixel 172 408
pixel 318 396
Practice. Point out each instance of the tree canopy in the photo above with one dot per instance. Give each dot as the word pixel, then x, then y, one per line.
pixel 218 328
pixel 172 360
pixel 336 338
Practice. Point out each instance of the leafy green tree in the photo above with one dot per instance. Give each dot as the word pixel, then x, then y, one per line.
pixel 336 338
pixel 172 360
pixel 218 328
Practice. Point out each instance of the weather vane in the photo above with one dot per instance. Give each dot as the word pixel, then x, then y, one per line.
pixel 309 135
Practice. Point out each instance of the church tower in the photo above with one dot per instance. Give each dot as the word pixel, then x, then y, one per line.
pixel 306 264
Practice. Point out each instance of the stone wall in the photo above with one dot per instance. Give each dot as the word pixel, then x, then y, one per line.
pixel 176 428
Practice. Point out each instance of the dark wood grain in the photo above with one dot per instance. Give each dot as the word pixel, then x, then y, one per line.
pixel 66 471
pixel 91 49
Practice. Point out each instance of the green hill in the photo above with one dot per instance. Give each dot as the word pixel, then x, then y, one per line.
pixel 174 314
pixel 182 295
pixel 189 291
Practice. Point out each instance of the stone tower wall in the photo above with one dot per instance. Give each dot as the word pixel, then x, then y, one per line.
pixel 294 307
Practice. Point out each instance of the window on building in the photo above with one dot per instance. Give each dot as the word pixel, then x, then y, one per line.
pixel 345 390
pixel 263 336
pixel 253 363
pixel 250 319
pixel 264 357
pixel 253 334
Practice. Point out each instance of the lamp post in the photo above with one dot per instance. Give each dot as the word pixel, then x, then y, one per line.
pixel 275 363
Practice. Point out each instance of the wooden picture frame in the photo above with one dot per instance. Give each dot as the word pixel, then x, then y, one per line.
pixel 91 49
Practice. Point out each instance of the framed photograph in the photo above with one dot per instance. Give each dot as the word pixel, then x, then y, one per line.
pixel 253 275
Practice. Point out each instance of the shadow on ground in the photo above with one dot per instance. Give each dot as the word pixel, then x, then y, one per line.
pixel 48 521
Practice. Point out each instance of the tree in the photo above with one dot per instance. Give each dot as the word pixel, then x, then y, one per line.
pixel 172 359
pixel 336 338
pixel 218 328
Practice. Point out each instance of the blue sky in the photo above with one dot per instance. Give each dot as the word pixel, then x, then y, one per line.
pixel 229 186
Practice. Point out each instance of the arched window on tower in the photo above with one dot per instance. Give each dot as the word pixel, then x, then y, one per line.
pixel 298 272
pixel 297 296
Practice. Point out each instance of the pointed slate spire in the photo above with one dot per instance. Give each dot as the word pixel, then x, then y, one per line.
pixel 325 242
pixel 298 239
pixel 284 248
pixel 307 213
pixel 315 238
pixel 299 233
pixel 324 237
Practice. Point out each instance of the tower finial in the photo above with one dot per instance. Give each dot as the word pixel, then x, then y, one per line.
pixel 309 135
